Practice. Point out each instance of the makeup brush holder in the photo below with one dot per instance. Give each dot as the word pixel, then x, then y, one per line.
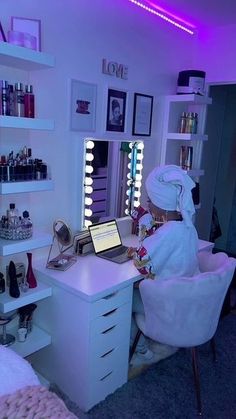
pixel 18 233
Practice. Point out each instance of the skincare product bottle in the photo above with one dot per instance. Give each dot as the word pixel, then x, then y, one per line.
pixel 13 288
pixel 183 120
pixel 19 100
pixel 12 215
pixel 2 283
pixel 11 100
pixel 4 98
pixel 29 101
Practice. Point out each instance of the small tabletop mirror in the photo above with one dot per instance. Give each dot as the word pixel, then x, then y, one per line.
pixel 63 236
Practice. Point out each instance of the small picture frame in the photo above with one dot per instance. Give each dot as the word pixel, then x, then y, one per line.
pixel 83 106
pixel 29 26
pixel 116 110
pixel 142 116
pixel 2 34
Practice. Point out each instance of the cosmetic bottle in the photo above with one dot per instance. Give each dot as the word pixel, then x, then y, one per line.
pixel 2 283
pixel 29 101
pixel 4 98
pixel 12 215
pixel 183 121
pixel 13 288
pixel 11 100
pixel 19 100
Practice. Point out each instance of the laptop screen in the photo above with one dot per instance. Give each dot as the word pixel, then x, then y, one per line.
pixel 105 236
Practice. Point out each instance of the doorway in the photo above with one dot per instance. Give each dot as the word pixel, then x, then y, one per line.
pixel 218 186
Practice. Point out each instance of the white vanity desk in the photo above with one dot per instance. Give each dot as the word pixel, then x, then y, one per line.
pixel 88 318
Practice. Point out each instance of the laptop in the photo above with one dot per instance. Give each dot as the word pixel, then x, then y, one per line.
pixel 107 242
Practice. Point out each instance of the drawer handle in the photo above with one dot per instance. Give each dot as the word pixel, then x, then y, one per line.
pixel 108 330
pixel 109 312
pixel 110 295
pixel 107 353
pixel 105 376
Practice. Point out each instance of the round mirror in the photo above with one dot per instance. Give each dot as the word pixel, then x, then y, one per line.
pixel 62 232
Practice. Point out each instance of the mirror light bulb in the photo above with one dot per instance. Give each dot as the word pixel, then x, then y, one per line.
pixel 140 146
pixel 137 194
pixel 89 156
pixel 136 204
pixel 128 192
pixel 88 169
pixel 138 184
pixel 88 201
pixel 87 223
pixel 88 212
pixel 127 201
pixel 89 145
pixel 139 166
pixel 88 181
pixel 138 177
pixel 127 211
pixel 88 189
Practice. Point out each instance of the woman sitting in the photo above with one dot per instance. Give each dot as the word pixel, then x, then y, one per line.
pixel 168 244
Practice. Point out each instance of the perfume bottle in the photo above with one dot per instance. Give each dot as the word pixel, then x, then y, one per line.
pixel 29 101
pixel 13 288
pixel 30 278
pixel 19 100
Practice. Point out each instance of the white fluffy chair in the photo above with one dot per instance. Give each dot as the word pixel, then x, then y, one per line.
pixel 184 312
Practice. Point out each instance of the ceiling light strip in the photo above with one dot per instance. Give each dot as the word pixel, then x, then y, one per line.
pixel 167 19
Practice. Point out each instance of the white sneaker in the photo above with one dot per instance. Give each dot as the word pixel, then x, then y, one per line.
pixel 146 358
pixel 162 350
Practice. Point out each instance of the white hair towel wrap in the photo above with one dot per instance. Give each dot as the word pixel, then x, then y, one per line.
pixel 169 188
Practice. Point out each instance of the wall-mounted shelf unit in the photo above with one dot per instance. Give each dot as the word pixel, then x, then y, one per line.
pixel 172 108
pixel 7 188
pixel 8 303
pixel 26 123
pixel 24 58
pixel 39 239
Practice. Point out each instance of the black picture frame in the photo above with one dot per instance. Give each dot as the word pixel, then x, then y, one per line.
pixel 142 115
pixel 116 110
pixel 2 34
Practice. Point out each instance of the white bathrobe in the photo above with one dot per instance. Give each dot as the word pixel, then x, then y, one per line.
pixel 171 251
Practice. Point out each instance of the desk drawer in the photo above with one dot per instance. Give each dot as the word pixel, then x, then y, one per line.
pixel 101 366
pixel 109 339
pixel 111 302
pixel 108 383
pixel 111 318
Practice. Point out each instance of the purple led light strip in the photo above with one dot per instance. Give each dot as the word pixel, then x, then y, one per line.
pixel 164 17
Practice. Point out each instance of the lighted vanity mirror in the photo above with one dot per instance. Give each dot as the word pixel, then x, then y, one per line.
pixel 112 181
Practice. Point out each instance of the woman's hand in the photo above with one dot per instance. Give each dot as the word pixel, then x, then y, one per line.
pixel 131 251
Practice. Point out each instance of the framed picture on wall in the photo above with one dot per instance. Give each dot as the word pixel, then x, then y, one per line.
pixel 2 34
pixel 142 116
pixel 28 26
pixel 116 108
pixel 83 106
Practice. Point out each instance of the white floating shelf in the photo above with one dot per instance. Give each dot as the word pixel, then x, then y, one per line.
pixel 24 58
pixel 196 99
pixel 27 186
pixel 7 303
pixel 186 137
pixel 36 339
pixel 9 247
pixel 26 123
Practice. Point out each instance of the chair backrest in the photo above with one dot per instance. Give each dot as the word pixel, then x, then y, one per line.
pixel 185 311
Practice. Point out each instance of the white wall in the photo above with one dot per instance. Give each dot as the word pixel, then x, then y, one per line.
pixel 80 34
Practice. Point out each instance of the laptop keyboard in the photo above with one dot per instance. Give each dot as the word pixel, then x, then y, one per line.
pixel 115 252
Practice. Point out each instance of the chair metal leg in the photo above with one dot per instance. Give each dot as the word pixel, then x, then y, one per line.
pixel 213 348
pixel 196 379
pixel 133 347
